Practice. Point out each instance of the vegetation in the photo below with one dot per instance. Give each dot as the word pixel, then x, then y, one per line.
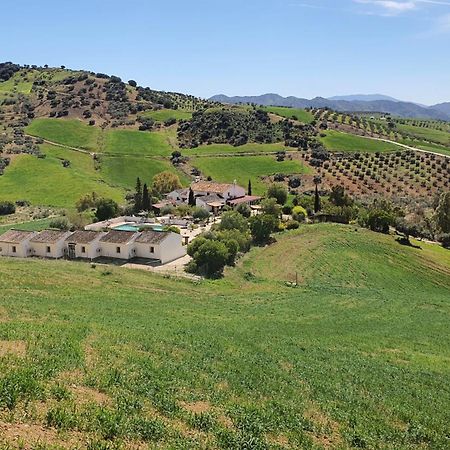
pixel 345 142
pixel 291 113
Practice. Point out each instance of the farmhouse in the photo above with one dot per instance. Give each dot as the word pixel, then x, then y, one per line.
pixel 84 244
pixel 159 245
pixel 224 191
pixel 49 243
pixel 16 243
pixel 118 244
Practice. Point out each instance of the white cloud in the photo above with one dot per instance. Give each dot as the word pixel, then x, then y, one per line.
pixel 396 7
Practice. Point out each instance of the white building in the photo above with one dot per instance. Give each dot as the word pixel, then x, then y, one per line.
pixel 84 244
pixel 118 244
pixel 159 245
pixel 225 191
pixel 16 243
pixel 49 243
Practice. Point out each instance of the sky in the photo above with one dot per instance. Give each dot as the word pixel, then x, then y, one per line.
pixel 305 48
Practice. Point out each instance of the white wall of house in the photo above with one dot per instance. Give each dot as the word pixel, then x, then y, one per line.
pixel 21 250
pixel 45 250
pixel 110 250
pixel 169 249
pixel 91 250
pixel 201 204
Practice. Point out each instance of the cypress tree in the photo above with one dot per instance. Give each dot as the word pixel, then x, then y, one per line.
pixel 138 197
pixel 317 205
pixel 249 190
pixel 146 201
pixel 191 200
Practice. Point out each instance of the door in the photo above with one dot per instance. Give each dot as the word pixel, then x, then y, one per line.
pixel 71 251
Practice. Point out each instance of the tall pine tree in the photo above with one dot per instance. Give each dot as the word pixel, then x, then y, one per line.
pixel 138 196
pixel 146 201
pixel 249 190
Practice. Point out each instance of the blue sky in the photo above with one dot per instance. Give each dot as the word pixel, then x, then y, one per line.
pixel 304 48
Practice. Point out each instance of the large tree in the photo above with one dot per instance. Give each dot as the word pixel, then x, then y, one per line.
pixel 442 215
pixel 278 192
pixel 146 200
pixel 138 196
pixel 165 182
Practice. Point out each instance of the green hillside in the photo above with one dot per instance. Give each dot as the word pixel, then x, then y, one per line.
pixel 132 142
pixel 345 142
pixel 356 357
pixel 289 113
pixel 164 114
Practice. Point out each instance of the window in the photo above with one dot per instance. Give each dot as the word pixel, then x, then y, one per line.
pixel 152 249
pixel 117 249
pixel 48 249
pixel 83 249
pixel 14 249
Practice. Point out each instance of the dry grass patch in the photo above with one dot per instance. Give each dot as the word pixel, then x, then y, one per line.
pixel 15 348
pixel 197 407
pixel 327 433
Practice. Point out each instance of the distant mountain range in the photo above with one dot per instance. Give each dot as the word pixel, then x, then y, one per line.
pixel 351 103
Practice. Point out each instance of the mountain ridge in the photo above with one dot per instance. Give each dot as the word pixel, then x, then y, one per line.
pixel 396 108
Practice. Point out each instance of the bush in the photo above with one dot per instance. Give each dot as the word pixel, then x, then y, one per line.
pixel 7 208
pixel 444 239
pixel 278 192
pixel 106 209
pixel 299 213
pixel 200 213
pixel 262 226
pixel 292 225
pixel 60 223
pixel 210 257
pixel 244 210
pixel 286 209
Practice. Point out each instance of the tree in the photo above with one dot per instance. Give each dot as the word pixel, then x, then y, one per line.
pixel 165 182
pixel 146 200
pixel 191 199
pixel 379 220
pixel 138 196
pixel 261 226
pixel 339 198
pixel 244 210
pixel 317 205
pixel 7 208
pixel 106 209
pixel 199 213
pixel 278 192
pixel 209 256
pixel 270 207
pixel 232 220
pixel 442 215
pixel 299 213
pixel 60 223
pixel 132 83
pixel 249 189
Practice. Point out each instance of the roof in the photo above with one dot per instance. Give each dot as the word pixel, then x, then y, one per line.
pixel 83 237
pixel 209 186
pixel 49 236
pixel 119 237
pixel 152 237
pixel 244 199
pixel 16 236
pixel 216 204
pixel 212 198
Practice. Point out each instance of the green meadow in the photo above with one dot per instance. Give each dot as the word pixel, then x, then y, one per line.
pixel 131 142
pixel 431 134
pixel 33 225
pixel 47 182
pixel 344 142
pixel 243 168
pixel 357 356
pixel 123 170
pixel 218 149
pixel 301 114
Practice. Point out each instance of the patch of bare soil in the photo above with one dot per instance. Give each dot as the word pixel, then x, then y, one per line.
pixel 197 407
pixel 83 394
pixel 327 434
pixel 4 317
pixel 16 348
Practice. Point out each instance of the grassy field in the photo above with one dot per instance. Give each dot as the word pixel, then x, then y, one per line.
pixel 344 142
pixel 356 357
pixel 34 225
pixel 300 114
pixel 47 182
pixel 123 170
pixel 243 168
pixel 217 149
pixel 132 142
pixel 162 115
pixel 430 134
pixel 73 133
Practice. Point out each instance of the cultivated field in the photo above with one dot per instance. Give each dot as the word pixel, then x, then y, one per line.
pixel 356 357
pixel 289 113
pixel 345 142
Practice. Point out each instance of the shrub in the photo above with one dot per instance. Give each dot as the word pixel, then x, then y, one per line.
pixel 200 213
pixel 278 192
pixel 262 226
pixel 286 209
pixel 7 208
pixel 210 257
pixel 244 210
pixel 299 213
pixel 106 209
pixel 292 225
pixel 444 239
pixel 60 223
pixel 232 220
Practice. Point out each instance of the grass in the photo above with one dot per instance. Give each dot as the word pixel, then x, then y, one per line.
pixel 301 114
pixel 136 143
pixel 243 168
pixel 344 142
pixel 357 356
pixel 123 170
pixel 33 225
pixel 47 182
pixel 218 149
pixel 431 134
pixel 73 133
pixel 162 115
